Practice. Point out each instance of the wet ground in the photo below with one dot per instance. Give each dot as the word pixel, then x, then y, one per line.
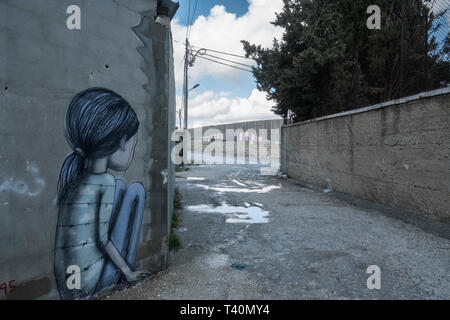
pixel 249 236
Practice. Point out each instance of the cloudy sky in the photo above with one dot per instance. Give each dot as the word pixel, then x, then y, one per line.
pixel 225 94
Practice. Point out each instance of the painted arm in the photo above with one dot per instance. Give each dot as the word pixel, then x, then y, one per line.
pixel 120 263
pixel 109 247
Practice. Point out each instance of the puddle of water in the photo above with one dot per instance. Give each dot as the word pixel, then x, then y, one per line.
pixel 236 214
pixel 196 178
pixel 264 189
pixel 238 183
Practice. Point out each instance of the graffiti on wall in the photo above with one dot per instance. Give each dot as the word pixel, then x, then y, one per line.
pixel 100 217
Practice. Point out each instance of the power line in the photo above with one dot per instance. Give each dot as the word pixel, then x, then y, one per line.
pixel 193 12
pixel 217 51
pixel 182 43
pixel 242 64
pixel 225 64
pixel 192 18
pixel 188 17
pixel 222 52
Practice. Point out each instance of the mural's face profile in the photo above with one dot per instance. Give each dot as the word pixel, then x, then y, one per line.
pixel 121 159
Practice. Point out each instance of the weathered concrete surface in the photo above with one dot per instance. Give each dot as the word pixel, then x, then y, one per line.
pixel 246 125
pixel 314 246
pixel 398 154
pixel 42 66
pixel 251 141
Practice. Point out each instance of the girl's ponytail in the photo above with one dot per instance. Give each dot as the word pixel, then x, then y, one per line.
pixel 70 174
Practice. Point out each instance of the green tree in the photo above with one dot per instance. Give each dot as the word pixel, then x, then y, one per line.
pixel 329 61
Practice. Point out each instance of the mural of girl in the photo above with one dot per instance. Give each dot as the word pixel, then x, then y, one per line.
pixel 99 219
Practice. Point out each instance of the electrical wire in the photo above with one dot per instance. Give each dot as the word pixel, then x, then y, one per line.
pixel 226 53
pixel 192 18
pixel 242 64
pixel 188 17
pixel 225 64
pixel 216 51
pixel 182 43
pixel 235 62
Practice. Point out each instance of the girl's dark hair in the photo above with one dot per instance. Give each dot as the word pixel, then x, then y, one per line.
pixel 96 121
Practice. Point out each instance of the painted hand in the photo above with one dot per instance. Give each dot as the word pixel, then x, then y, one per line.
pixel 134 276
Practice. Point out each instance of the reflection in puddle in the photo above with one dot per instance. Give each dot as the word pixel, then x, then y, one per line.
pixel 246 214
pixel 195 178
pixel 239 183
pixel 264 189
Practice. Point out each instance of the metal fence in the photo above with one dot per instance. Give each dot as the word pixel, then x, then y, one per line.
pixel 412 73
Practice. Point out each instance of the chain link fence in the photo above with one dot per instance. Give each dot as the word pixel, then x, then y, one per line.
pixel 416 71
pixel 441 11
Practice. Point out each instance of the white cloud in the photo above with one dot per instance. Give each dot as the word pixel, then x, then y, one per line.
pixel 216 108
pixel 223 31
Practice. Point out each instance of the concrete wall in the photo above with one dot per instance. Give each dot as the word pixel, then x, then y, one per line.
pixel 246 142
pixel 42 66
pixel 257 124
pixel 396 153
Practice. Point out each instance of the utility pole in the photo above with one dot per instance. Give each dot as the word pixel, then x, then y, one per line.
pixel 188 61
pixel 185 95
pixel 185 84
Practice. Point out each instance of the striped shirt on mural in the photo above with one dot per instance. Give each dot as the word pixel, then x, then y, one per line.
pixel 82 232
